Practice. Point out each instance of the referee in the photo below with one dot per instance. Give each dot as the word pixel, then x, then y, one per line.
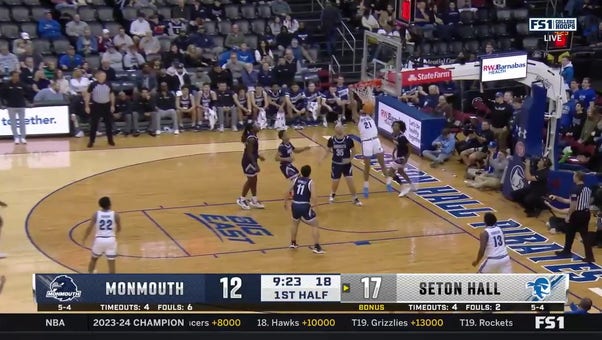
pixel 577 218
pixel 99 102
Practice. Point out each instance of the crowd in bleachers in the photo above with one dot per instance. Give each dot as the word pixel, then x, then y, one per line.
pixel 144 43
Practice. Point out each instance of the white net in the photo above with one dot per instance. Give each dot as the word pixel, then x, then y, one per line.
pixel 365 90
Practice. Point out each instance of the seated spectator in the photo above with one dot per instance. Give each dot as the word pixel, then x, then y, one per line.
pixel 144 106
pixel 132 59
pixel 262 52
pixel 62 83
pixel 87 44
pixel 235 67
pixel 123 111
pixel 181 11
pixel 386 18
pixel 583 308
pixel 275 26
pixel 291 24
pixel 20 45
pixel 265 77
pixel 176 27
pixel 75 28
pixel 87 71
pixel 281 8
pixel 165 107
pixel 186 107
pixel 269 36
pixel 249 77
pixel 473 150
pixel 150 45
pixel 60 4
pixel 586 94
pixel 244 54
pixel 140 26
pixel 589 127
pixel 431 99
pixel 48 28
pixel 8 61
pixel 448 89
pixel 49 94
pixel 491 178
pixel 122 41
pixel 567 70
pixel 105 66
pixel 49 69
pixel 40 81
pixel 300 53
pixel 194 58
pixel 444 109
pixel 204 42
pixel 113 57
pixel 147 79
pixel 284 38
pixel 26 76
pixel 182 77
pixel 530 196
pixel 78 83
pixel 198 10
pixel 158 27
pixel 500 116
pixel 173 56
pixel 305 37
pixel 576 125
pixel 443 148
pixel 70 60
pixel 216 11
pixel 423 18
pixel 103 39
pixel 235 38
pixel 369 22
pixel 218 75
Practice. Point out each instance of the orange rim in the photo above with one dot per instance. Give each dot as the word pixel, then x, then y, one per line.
pixel 372 83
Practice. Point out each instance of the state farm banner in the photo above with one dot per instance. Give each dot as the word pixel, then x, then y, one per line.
pixel 420 76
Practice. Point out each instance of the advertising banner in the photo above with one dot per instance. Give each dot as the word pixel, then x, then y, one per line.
pixel 504 67
pixel 46 120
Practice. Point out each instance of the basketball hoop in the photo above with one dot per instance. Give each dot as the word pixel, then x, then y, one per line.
pixel 365 91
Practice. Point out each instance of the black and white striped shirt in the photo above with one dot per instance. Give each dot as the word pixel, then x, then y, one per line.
pixel 100 93
pixel 582 195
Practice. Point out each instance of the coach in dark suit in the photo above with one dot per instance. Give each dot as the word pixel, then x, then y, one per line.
pixel 99 102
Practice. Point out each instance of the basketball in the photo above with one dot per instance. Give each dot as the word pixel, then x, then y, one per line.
pixel 368 107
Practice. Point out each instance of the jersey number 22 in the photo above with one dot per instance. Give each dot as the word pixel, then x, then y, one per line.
pixel 105 224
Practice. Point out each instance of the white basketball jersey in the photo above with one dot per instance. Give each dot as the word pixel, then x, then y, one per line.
pixel 367 127
pixel 105 223
pixel 496 245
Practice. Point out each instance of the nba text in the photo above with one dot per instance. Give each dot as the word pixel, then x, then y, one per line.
pixel 144 288
pixel 459 288
pixel 539 249
pixel 232 228
pixel 453 202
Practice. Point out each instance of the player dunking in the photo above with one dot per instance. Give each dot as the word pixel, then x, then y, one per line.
pixel 401 155
pixel 107 224
pixel 285 156
pixel 371 146
pixel 302 208
pixel 2 205
pixel 250 167
pixel 342 148
pixel 492 248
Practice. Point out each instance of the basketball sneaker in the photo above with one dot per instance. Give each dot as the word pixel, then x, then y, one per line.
pixel 2 255
pixel 390 187
pixel 243 203
pixel 331 199
pixel 293 245
pixel 366 192
pixel 256 205
pixel 317 249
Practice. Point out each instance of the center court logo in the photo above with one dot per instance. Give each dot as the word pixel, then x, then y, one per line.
pixel 232 228
pixel 63 289
pixel 540 288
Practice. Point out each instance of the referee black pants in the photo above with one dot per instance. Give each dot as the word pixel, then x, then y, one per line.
pixel 98 111
pixel 579 223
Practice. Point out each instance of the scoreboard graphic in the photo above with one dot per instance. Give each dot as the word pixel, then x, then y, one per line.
pixel 301 292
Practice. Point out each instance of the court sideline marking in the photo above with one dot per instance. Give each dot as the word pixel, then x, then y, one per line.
pixel 377 178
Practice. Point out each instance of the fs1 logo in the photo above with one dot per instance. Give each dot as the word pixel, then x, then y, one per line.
pixel 549 322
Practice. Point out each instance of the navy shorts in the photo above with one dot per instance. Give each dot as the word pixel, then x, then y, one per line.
pixel 302 211
pixel 248 169
pixel 339 170
pixel 289 171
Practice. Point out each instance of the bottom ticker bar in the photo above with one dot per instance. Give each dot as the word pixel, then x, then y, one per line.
pixel 297 322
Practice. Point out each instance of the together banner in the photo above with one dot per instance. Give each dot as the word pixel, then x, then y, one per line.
pixel 44 120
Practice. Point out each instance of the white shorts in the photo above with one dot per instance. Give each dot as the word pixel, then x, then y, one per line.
pixel 105 246
pixel 371 147
pixel 496 265
pixel 398 166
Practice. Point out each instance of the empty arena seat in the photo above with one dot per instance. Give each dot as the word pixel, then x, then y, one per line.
pixel 31 3
pixel 20 14
pixel 248 11
pixel 441 48
pixel 251 40
pixel 164 12
pixel 5 15
pixel 13 2
pixel 218 40
pixel 42 46
pixel 38 13
pixel 465 32
pixel 456 47
pixel 165 43
pixel 483 15
pixel 483 32
pixel 129 13
pixel 500 30
pixel 503 14
pixel 522 29
pixel 98 3
pixel 224 27
pixel 520 14
pixel 264 11
pixel 506 44
pixel 95 28
pixel 258 26
pixel 467 17
pixel 93 61
pixel 60 46
pixel 31 29
pixel 531 44
pixel 472 46
pixel 244 26
pixel 426 49
pixel 210 27
pixel 148 11
pixel 9 31
pixel 67 13
pixel 105 14
pixel 232 12
pixel 87 14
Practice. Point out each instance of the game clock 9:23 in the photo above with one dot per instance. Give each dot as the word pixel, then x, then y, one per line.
pixel 297 280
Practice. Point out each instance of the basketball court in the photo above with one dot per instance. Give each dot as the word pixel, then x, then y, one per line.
pixel 176 196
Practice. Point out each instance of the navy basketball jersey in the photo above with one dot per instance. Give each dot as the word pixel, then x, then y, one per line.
pixel 343 92
pixel 329 98
pixel 206 99
pixel 341 149
pixel 242 99
pixel 186 101
pixel 297 99
pixel 402 147
pixel 252 140
pixel 260 98
pixel 302 190
pixel 276 96
pixel 285 150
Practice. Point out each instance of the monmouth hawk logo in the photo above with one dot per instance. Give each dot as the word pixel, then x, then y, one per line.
pixel 63 288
